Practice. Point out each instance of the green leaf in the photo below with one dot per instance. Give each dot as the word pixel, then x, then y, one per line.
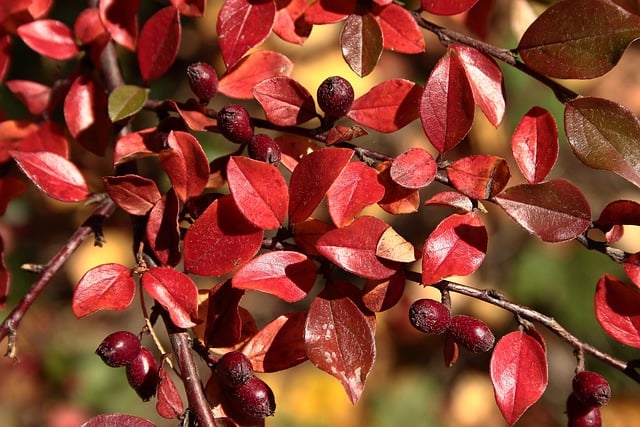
pixel 125 101
pixel 361 43
pixel 604 135
pixel 578 39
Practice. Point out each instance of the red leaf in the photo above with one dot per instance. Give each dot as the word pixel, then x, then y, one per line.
pixel 479 176
pixel 10 188
pixel 48 137
pixel 4 273
pixel 186 164
pixel 381 295
pixel 447 7
pixel 485 78
pixel 241 25
pixel 456 247
pixel 354 189
pixel 285 101
pixel 451 199
pixel 415 168
pixel 174 291
pixel 259 190
pixel 286 274
pixel 137 145
pixel 397 200
pixel 619 212
pixel 159 42
pixel 240 79
pixel 169 404
pixel 361 43
pixel 163 232
pixel 617 308
pixel 120 420
pixel 535 144
pixel 388 106
pixel 632 268
pixel 307 233
pixel 193 8
pixel 555 211
pixel 49 38
pixel 518 374
pixel 34 96
pixel 329 12
pixel 344 134
pixel 400 32
pixel 5 55
pixel 12 134
pixel 311 179
pixel 132 193
pixel 447 104
pixel 53 174
pixel 353 248
pixel 88 26
pixel 105 287
pixel 224 322
pixel 279 345
pixel 195 120
pixel 339 340
pixel 220 240
pixel 290 24
pixel 120 17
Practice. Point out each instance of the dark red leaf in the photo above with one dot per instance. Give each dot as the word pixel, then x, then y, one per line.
pixel 578 39
pixel 518 374
pixel 415 168
pixel 555 211
pixel 400 32
pixel 381 295
pixel 388 106
pixel 617 308
pixel 169 404
pixel 105 287
pixel 10 188
pixel 53 174
pixel 137 145
pixel 220 240
pixel 340 133
pixel 311 179
pixel 290 24
pixel 447 104
pixel 240 79
pixel 328 11
pixel 120 17
pixel 447 7
pixel 632 268
pixel 34 96
pixel 619 212
pixel 49 38
pixel 5 55
pixel 120 420
pixel 132 193
pixel 159 42
pixel 259 190
pixel 361 43
pixel 354 189
pixel 241 25
pixel 535 144
pixel 293 148
pixel 4 273
pixel 604 135
pixel 479 176
pixel 339 340
pixel 163 232
pixel 456 247
pixel 477 18
pixel 451 199
pixel 48 137
pixel 279 344
pixel 175 291
pixel 224 322
pixel 353 248
pixel 286 274
pixel 186 164
pixel 307 233
pixel 193 8
pixel 285 101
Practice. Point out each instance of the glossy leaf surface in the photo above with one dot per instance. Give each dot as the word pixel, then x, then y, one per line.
pixel 452 199
pixel 240 79
pixel 479 176
pixel 447 7
pixel 85 112
pixel 186 164
pixel 193 8
pixel 120 17
pixel 290 24
pixel 105 287
pixel 415 168
pixel 175 291
pixel 285 101
pixel 35 96
pixel 159 42
pixel 617 307
pixel 534 144
pixel 361 43
pixel 49 38
pixel 400 33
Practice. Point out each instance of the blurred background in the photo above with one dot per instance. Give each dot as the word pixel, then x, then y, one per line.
pixel 58 380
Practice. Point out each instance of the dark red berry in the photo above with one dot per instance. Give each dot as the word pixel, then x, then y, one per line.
pixel 263 148
pixel 581 415
pixel 142 374
pixel 429 316
pixel 234 123
pixel 119 348
pixel 203 80
pixel 335 96
pixel 234 369
pixel 253 399
pixel 471 333
pixel 591 388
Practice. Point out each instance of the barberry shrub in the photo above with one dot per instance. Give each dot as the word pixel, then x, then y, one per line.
pixel 249 186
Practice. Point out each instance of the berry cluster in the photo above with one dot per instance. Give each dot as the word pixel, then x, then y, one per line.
pixel 123 348
pixel 249 398
pixel 433 317
pixel 590 391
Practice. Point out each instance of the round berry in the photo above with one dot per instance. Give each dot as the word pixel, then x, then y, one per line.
pixel 203 80
pixel 234 123
pixel 119 348
pixel 471 333
pixel 142 374
pixel 591 388
pixel 263 148
pixel 581 415
pixel 429 316
pixel 234 369
pixel 254 398
pixel 335 96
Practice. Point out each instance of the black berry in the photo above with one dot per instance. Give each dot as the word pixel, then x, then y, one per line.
pixel 591 388
pixel 253 399
pixel 263 148
pixel 581 415
pixel 429 316
pixel 142 374
pixel 234 369
pixel 234 123
pixel 335 96
pixel 203 80
pixel 471 333
pixel 119 348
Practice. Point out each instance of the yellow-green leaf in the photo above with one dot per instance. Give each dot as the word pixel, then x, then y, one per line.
pixel 126 101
